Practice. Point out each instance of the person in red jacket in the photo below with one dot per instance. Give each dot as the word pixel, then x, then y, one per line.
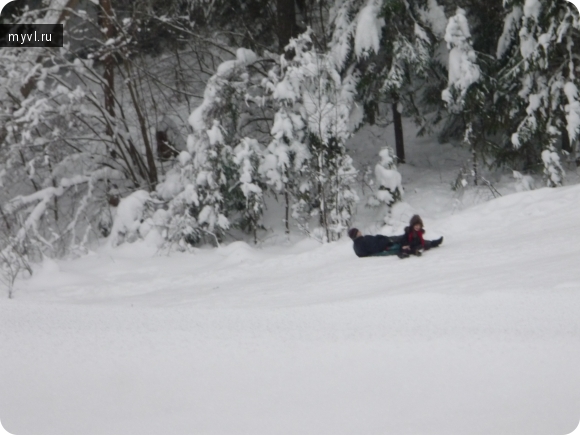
pixel 412 242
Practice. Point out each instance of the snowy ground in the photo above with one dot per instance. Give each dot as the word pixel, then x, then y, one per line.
pixel 480 336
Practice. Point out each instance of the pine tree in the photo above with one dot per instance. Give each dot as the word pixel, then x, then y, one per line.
pixel 540 37
pixel 248 157
pixel 285 160
pixel 219 171
pixel 326 102
pixel 392 49
pixel 470 92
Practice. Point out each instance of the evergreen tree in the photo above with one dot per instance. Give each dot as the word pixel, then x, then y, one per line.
pixel 392 48
pixel 217 182
pixel 286 158
pixel 539 39
pixel 247 157
pixel 325 103
pixel 465 93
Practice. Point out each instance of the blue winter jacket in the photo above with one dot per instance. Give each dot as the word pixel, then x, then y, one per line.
pixel 370 245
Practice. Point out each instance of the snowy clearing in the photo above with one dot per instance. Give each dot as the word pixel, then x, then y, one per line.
pixel 479 336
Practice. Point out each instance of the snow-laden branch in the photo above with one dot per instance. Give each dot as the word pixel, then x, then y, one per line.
pixel 44 196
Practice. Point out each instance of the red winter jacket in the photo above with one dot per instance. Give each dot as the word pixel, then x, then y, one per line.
pixel 413 239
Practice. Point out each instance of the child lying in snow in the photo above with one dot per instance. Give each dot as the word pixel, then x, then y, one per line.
pixel 367 246
pixel 412 241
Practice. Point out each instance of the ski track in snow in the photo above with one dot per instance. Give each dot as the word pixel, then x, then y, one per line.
pixel 479 336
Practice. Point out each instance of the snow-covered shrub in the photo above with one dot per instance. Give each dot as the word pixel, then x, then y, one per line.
pixel 13 261
pixel 388 181
pixel 129 218
pixel 523 182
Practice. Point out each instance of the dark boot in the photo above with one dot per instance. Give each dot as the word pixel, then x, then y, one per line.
pixel 403 255
pixel 435 243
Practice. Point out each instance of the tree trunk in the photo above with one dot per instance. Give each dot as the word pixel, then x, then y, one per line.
pixel 286 17
pixel 399 142
pixel 152 168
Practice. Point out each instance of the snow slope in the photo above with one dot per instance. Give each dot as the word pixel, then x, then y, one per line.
pixel 480 336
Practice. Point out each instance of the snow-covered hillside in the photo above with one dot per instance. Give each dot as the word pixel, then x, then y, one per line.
pixel 480 336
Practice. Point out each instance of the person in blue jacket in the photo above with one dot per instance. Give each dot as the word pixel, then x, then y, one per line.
pixel 366 246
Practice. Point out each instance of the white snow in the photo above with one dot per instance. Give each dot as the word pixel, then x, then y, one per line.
pixel 528 43
pixel 246 56
pixel 511 23
pixel 171 186
pixel 532 8
pixel 214 134
pixel 479 336
pixel 462 66
pixel 389 178
pixel 523 182
pixel 434 15
pixel 128 216
pixel 572 110
pixel 344 28
pixel 368 29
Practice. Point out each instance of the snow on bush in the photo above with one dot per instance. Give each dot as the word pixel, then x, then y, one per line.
pixel 128 218
pixel 523 182
pixel 388 181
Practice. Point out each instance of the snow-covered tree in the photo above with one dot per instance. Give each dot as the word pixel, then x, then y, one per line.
pixel 247 157
pixel 218 175
pixel 391 45
pixel 74 139
pixel 463 68
pixel 286 158
pixel 315 91
pixel 539 40
pixel 469 91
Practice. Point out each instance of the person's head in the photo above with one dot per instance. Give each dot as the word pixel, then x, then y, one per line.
pixel 416 223
pixel 353 233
